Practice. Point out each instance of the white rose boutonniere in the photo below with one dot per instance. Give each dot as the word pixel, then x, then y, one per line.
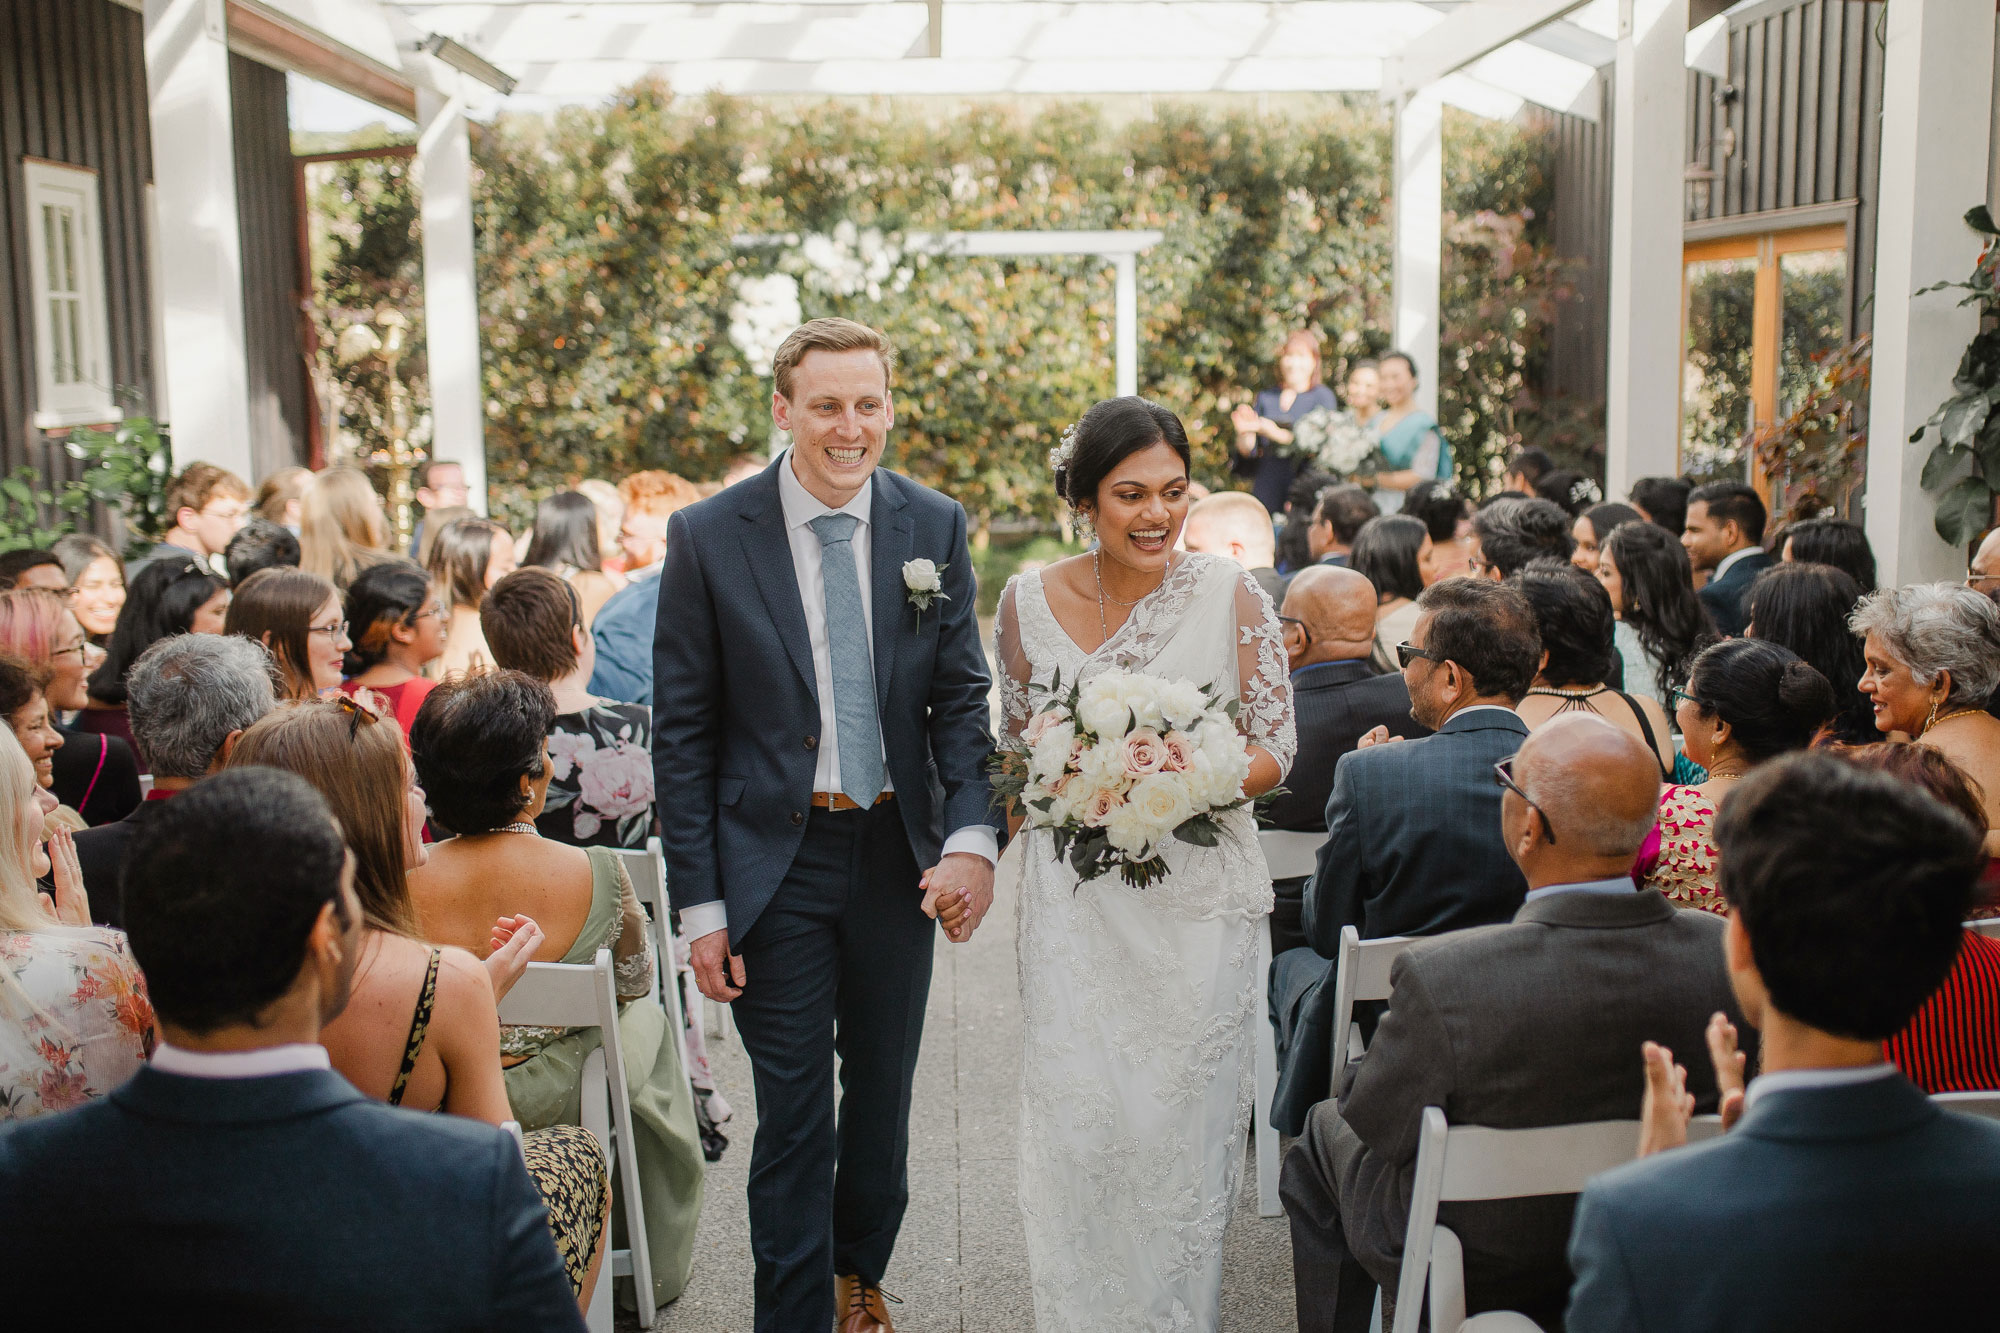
pixel 925 581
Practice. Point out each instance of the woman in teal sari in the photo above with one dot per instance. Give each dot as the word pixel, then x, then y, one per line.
pixel 1412 447
pixel 481 751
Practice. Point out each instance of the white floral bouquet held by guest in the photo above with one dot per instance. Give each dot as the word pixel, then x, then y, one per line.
pixel 1335 441
pixel 1117 766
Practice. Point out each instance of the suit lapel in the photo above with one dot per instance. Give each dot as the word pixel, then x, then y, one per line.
pixel 893 541
pixel 767 549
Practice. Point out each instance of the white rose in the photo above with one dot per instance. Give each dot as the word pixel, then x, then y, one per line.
pixel 1181 703
pixel 1103 713
pixel 1102 767
pixel 1050 755
pixel 1163 800
pixel 1141 695
pixel 921 576
pixel 1128 829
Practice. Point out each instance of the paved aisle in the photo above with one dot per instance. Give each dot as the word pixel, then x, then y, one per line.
pixel 961 1265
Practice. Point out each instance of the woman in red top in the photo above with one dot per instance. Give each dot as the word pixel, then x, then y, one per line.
pixel 397 624
pixel 1953 1044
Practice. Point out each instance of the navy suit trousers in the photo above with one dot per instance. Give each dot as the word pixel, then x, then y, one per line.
pixel 839 963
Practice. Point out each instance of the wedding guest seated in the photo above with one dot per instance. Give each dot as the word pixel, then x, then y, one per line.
pixel 1338 515
pixel 1507 534
pixel 259 544
pixel 29 568
pixel 95 775
pixel 468 557
pixel 1413 834
pixel 26 709
pixel 206 505
pixel 1391 552
pixel 1329 626
pixel 1593 527
pixel 421 1029
pixel 1573 619
pixel 1933 657
pixel 601 787
pixel 342 529
pixel 1804 607
pixel 297 616
pixel 1843 1197
pixel 1448 519
pixel 190 698
pixel 240 1181
pixel 623 629
pixel 173 594
pixel 1569 490
pixel 1236 524
pixel 1662 625
pixel 281 496
pixel 1725 524
pixel 481 751
pixel 1294 545
pixel 565 540
pixel 1525 469
pixel 74 1021
pixel 1746 703
pixel 1531 1023
pixel 396 622
pixel 1663 502
pixel 1832 541
pixel 97 582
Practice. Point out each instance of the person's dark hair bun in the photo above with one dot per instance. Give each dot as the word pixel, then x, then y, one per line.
pixel 1110 432
pixel 1805 694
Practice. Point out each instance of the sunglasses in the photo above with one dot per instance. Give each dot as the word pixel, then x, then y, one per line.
pixel 1407 653
pixel 1503 776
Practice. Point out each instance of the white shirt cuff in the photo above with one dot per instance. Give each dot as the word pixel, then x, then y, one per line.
pixel 704 919
pixel 979 839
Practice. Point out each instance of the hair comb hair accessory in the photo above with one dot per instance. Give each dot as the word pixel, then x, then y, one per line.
pixel 1065 449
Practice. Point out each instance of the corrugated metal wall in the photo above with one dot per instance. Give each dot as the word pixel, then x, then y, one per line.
pixel 268 218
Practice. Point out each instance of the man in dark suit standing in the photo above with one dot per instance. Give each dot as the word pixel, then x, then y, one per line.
pixel 1536 1022
pixel 1413 834
pixel 188 698
pixel 1725 526
pixel 1843 1198
pixel 236 1181
pixel 1329 627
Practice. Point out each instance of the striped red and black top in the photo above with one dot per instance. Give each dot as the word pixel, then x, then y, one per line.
pixel 1953 1044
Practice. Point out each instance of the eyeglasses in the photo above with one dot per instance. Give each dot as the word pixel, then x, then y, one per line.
pixel 81 649
pixel 1407 653
pixel 1304 632
pixel 1503 776
pixel 338 629
pixel 1679 695
pixel 1973 578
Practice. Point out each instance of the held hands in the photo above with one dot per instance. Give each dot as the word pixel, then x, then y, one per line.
pixel 718 973
pixel 1668 1105
pixel 515 939
pixel 958 891
pixel 71 905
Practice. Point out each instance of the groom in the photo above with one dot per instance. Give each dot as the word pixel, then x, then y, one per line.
pixel 816 735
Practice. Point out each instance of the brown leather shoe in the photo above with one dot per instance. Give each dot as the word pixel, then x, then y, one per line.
pixel 860 1306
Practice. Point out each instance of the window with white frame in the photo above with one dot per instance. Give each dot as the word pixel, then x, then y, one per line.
pixel 72 344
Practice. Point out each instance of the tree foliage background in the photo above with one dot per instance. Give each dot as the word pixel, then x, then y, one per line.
pixel 609 269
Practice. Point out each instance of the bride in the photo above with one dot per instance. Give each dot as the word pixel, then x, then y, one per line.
pixel 1139 1004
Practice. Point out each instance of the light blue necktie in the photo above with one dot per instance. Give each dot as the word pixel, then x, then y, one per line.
pixel 855 720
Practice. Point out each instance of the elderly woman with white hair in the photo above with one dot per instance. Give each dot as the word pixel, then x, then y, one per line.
pixel 1933 660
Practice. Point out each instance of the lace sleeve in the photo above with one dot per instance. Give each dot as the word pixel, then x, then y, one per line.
pixel 1013 660
pixel 1262 681
pixel 631 960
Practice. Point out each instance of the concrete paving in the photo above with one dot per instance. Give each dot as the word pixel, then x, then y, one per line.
pixel 961 1265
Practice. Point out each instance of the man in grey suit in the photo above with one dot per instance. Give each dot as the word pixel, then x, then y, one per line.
pixel 1413 827
pixel 1537 1022
pixel 1844 1198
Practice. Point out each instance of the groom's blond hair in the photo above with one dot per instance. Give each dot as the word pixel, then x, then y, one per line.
pixel 828 335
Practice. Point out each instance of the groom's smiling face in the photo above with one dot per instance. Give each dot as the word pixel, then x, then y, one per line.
pixel 839 414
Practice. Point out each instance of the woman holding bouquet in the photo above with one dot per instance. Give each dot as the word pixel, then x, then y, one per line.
pixel 1264 451
pixel 1138 1003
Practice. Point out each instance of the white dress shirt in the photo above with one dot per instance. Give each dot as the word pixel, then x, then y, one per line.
pixel 1722 566
pixel 263 1062
pixel 801 507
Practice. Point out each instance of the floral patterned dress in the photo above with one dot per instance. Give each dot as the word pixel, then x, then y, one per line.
pixel 601 793
pixel 1684 869
pixel 74 1018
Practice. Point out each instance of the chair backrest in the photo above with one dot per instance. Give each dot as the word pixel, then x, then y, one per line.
pixel 1989 925
pixel 647 869
pixel 1290 855
pixel 1360 973
pixel 1971 1103
pixel 561 995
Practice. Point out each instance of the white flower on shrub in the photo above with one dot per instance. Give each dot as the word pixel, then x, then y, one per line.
pixel 765 310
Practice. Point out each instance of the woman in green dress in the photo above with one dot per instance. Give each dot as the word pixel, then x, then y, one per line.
pixel 481 751
pixel 1413 449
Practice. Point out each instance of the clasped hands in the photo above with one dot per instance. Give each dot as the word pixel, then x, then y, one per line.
pixel 1668 1105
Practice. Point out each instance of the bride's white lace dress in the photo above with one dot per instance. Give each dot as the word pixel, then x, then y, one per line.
pixel 1139 1006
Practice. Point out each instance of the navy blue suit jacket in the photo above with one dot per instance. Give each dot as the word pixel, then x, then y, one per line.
pixel 736 714
pixel 1859 1207
pixel 1728 598
pixel 623 635
pixel 290 1202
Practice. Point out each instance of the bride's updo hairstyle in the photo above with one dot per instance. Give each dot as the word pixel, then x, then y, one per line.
pixel 1110 433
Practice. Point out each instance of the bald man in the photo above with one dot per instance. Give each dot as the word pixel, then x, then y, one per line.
pixel 1236 524
pixel 1538 1022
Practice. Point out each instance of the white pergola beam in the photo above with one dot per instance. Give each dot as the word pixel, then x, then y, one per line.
pixel 203 355
pixel 1472 31
pixel 1937 110
pixel 451 293
pixel 1418 260
pixel 1642 384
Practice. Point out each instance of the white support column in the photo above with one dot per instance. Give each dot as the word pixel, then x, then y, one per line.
pixel 1937 107
pixel 1419 236
pixel 200 251
pixel 451 292
pixel 1128 323
pixel 1642 384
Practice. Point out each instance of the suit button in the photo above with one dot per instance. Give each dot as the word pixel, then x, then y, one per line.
pixel 798 818
pixel 812 742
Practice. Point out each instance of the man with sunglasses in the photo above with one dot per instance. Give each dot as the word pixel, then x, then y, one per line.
pixel 1535 1022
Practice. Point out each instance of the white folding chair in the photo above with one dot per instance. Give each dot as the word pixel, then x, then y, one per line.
pixel 647 870
pixel 1361 973
pixel 1287 855
pixel 1989 925
pixel 571 995
pixel 1462 1163
pixel 1972 1103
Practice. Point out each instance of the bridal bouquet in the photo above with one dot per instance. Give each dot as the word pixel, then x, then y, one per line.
pixel 1333 440
pixel 1115 767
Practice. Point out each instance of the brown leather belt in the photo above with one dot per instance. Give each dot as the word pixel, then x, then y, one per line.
pixel 838 800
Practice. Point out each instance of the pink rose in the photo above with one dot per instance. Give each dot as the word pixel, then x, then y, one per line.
pixel 616 782
pixel 1041 724
pixel 1180 751
pixel 1145 752
pixel 1099 807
